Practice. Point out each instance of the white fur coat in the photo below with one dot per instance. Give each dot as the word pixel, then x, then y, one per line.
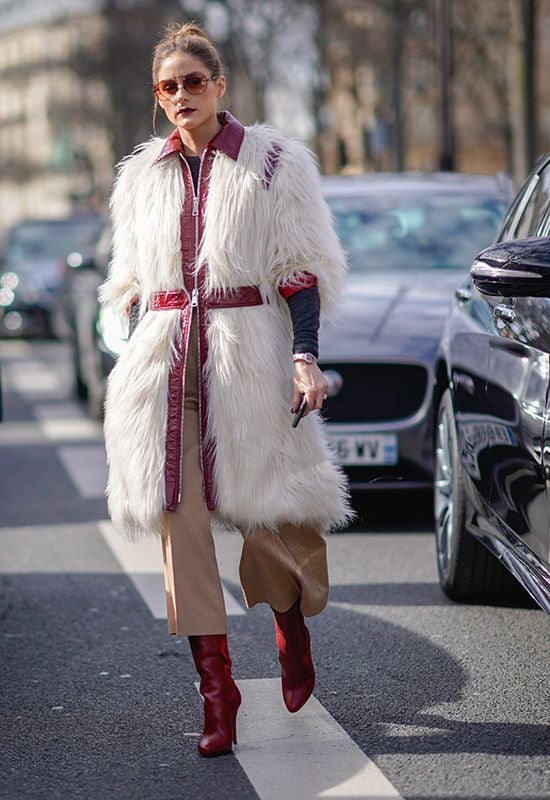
pixel 265 472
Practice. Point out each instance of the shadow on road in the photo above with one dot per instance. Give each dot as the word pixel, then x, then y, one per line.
pixel 392 512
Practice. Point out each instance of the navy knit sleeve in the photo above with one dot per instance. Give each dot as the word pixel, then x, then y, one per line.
pixel 304 306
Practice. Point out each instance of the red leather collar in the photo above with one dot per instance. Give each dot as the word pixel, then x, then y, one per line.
pixel 229 139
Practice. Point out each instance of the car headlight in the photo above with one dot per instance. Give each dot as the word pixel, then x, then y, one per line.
pixel 113 330
pixel 9 280
pixel 7 296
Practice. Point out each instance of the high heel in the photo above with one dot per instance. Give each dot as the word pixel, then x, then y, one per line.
pixel 220 694
pixel 235 695
pixel 297 670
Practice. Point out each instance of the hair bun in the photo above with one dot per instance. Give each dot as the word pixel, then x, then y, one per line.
pixel 189 29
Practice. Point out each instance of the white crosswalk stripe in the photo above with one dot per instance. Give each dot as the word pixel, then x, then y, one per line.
pixel 49 431
pixel 302 756
pixel 15 350
pixel 86 467
pixel 58 411
pixel 142 561
pixel 31 377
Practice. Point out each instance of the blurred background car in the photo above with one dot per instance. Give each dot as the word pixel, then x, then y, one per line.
pixel 492 443
pixel 36 257
pixel 410 239
pixel 96 336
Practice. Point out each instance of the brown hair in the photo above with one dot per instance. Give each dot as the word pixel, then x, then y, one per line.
pixel 188 38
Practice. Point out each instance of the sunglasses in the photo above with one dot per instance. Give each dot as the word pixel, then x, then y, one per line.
pixel 193 83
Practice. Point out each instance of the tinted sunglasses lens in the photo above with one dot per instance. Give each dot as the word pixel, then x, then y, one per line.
pixel 195 84
pixel 167 88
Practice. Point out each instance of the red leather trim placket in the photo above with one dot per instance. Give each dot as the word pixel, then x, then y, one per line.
pixel 176 389
pixel 228 141
pixel 207 447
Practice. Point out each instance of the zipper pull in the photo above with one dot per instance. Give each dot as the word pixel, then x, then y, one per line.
pixel 195 206
pixel 194 298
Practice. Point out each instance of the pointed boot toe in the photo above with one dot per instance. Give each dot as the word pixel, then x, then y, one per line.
pixel 296 698
pixel 297 670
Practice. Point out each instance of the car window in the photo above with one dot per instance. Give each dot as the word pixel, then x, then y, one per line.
pixel 39 242
pixel 508 227
pixel 535 210
pixel 545 226
pixel 415 231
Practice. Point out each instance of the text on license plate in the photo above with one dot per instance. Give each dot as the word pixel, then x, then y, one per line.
pixel 368 448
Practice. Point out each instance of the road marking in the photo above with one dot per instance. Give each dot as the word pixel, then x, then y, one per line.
pixel 48 431
pixel 232 606
pixel 20 433
pixel 68 547
pixel 31 377
pixel 70 429
pixel 15 349
pixel 87 469
pixel 301 756
pixel 142 561
pixel 57 410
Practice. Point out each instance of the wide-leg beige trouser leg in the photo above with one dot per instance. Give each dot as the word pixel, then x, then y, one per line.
pixel 194 595
pixel 280 567
pixel 277 567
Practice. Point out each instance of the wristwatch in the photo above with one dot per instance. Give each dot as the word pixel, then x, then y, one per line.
pixel 309 358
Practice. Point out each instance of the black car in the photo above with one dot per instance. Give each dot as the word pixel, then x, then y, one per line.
pixel 36 258
pixel 410 239
pixel 492 434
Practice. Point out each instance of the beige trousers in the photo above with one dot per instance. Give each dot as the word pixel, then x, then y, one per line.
pixel 276 567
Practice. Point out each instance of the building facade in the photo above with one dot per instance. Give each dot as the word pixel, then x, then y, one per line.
pixel 55 154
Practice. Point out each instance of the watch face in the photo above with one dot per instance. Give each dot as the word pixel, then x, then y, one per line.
pixel 309 358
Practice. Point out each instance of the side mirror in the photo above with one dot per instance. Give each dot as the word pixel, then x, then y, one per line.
pixel 518 268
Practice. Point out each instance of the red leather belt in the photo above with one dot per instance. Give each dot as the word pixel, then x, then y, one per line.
pixel 220 298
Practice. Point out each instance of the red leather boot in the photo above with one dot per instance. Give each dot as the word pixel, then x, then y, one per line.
pixel 297 671
pixel 220 694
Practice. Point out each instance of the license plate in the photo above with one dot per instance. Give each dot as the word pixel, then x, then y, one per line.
pixel 368 448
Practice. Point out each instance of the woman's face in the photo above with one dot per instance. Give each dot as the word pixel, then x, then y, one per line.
pixel 189 111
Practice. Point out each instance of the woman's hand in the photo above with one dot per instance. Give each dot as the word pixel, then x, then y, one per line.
pixel 309 382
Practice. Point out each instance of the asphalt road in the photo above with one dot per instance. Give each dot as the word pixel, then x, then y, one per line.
pixel 416 697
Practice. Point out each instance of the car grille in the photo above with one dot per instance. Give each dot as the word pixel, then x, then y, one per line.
pixel 374 392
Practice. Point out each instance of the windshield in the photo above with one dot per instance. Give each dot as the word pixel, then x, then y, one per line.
pixel 46 241
pixel 423 231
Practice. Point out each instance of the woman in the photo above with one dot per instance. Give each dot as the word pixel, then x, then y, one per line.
pixel 222 234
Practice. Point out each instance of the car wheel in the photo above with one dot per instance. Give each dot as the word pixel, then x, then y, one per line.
pixel 468 571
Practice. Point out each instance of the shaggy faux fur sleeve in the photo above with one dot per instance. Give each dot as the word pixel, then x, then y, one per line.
pixel 122 283
pixel 304 239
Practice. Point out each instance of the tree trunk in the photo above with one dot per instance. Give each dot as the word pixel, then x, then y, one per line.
pixel 521 87
pixel 398 25
pixel 446 154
